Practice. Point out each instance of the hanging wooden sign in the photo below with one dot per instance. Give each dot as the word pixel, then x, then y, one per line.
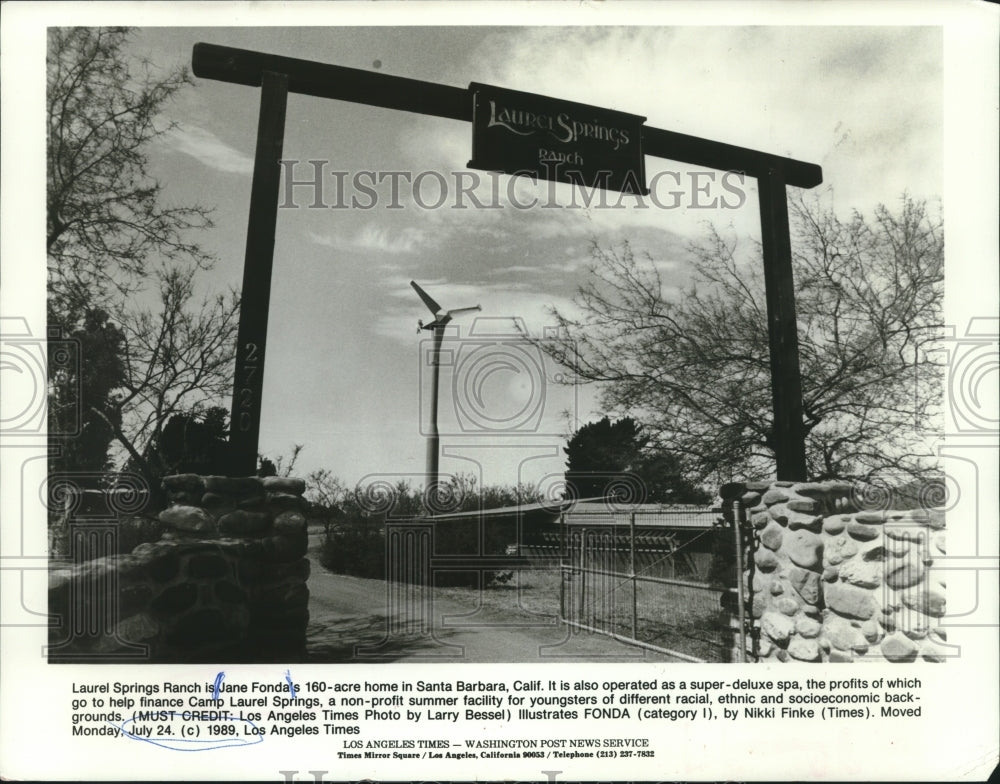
pixel 549 139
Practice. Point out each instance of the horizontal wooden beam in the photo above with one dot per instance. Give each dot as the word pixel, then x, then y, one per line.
pixel 322 80
pixel 727 157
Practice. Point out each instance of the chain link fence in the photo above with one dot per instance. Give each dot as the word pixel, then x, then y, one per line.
pixel 659 579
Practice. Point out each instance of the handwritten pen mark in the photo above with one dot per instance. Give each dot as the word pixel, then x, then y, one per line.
pixel 291 686
pixel 218 683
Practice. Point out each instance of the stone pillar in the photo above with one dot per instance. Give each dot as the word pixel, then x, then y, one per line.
pixel 832 582
pixel 265 519
pixel 225 582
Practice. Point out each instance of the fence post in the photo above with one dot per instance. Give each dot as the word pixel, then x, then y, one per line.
pixel 738 539
pixel 583 575
pixel 562 566
pixel 631 545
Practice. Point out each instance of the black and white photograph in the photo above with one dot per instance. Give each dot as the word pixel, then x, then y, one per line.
pixel 581 348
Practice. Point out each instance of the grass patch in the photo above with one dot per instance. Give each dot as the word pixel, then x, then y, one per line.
pixel 679 618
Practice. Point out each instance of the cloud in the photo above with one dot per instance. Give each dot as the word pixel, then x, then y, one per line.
pixel 779 89
pixel 515 269
pixel 209 149
pixel 372 237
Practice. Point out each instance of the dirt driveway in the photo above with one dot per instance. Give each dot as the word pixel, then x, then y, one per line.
pixel 358 620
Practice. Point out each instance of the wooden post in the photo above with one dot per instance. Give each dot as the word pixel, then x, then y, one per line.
pixel 256 296
pixel 788 433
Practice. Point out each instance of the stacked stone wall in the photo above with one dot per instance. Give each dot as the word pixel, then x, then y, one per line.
pixel 225 582
pixel 829 581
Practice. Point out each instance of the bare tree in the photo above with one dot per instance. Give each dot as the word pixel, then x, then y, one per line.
pixel 105 222
pixel 177 359
pixel 328 495
pixel 696 369
pixel 109 238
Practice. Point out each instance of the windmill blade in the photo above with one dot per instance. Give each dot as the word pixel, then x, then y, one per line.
pixel 463 310
pixel 428 300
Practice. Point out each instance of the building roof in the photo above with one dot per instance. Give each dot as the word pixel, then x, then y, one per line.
pixel 596 512
pixel 646 515
pixel 545 508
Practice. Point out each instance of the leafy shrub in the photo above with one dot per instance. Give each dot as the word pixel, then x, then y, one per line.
pixel 356 548
pixel 722 571
pixel 356 544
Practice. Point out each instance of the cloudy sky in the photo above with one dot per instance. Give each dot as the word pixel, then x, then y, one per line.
pixel 345 369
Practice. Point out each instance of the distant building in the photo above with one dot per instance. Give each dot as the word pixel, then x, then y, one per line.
pixel 654 516
pixel 674 541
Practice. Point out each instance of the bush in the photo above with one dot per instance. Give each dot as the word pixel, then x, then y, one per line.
pixel 355 544
pixel 355 548
pixel 722 572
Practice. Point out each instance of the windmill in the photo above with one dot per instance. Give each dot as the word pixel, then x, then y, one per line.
pixel 441 319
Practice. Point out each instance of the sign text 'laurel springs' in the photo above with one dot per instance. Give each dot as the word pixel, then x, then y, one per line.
pixel 545 138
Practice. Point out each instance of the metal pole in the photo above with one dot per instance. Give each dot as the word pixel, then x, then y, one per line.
pixel 741 653
pixel 631 558
pixel 433 437
pixel 562 564
pixel 583 572
pixel 609 585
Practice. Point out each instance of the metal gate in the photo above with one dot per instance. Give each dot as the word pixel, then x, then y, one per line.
pixel 657 586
